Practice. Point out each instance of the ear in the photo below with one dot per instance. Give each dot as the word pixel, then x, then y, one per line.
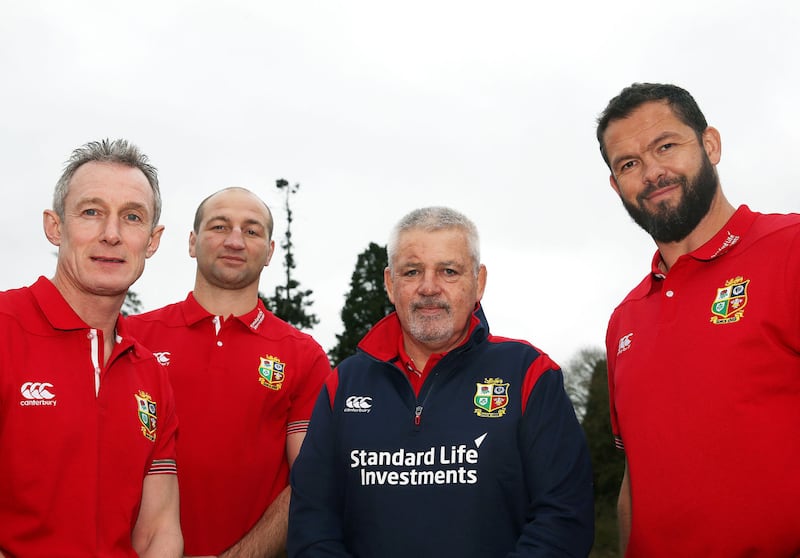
pixel 192 242
pixel 481 282
pixel 155 241
pixel 52 227
pixel 388 284
pixel 270 253
pixel 712 143
pixel 614 185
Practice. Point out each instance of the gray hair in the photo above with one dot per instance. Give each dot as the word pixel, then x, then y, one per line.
pixel 434 219
pixel 118 151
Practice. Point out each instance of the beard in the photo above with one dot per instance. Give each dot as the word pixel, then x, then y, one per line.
pixel 673 224
pixel 430 329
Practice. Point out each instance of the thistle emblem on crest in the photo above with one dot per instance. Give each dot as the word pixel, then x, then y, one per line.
pixel 728 306
pixel 271 372
pixel 491 398
pixel 146 409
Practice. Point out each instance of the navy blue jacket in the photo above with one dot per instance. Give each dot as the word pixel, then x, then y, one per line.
pixel 488 461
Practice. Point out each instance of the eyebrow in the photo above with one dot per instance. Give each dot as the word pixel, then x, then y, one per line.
pixel 225 219
pixel 100 201
pixel 658 139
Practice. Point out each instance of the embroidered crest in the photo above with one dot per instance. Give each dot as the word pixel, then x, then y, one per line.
pixel 272 372
pixel 491 398
pixel 731 299
pixel 147 414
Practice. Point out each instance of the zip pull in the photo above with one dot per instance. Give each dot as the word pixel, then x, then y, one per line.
pixel 418 415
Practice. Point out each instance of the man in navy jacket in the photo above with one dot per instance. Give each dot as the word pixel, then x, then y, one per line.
pixel 437 438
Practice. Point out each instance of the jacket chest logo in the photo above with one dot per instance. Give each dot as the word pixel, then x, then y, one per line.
pixel 491 398
pixel 272 372
pixel 728 306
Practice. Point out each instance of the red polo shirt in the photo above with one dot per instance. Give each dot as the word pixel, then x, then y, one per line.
pixel 241 385
pixel 73 456
pixel 704 378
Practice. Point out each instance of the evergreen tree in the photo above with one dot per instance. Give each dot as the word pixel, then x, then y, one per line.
pixel 132 304
pixel 608 462
pixel 289 302
pixel 578 376
pixel 365 304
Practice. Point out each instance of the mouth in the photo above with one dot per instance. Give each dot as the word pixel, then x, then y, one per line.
pixel 232 259
pixel 103 259
pixel 430 309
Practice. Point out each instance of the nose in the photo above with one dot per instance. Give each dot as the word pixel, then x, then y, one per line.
pixel 652 171
pixel 429 285
pixel 111 232
pixel 235 240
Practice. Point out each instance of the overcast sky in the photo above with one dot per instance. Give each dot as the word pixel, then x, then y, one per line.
pixel 377 108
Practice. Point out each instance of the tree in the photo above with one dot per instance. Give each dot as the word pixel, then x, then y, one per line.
pixel 132 304
pixel 365 304
pixel 608 462
pixel 289 302
pixel 578 376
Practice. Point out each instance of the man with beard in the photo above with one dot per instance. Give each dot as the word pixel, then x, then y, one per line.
pixel 704 354
pixel 438 438
pixel 245 383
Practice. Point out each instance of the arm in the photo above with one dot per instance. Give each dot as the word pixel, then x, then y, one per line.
pixel 558 475
pixel 624 512
pixel 157 533
pixel 268 535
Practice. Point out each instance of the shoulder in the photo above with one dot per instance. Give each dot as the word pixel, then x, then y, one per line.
pixel 767 224
pixel 171 313
pixel 275 328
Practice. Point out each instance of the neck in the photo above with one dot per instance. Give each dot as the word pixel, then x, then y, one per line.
pixel 97 311
pixel 718 214
pixel 226 302
pixel 420 353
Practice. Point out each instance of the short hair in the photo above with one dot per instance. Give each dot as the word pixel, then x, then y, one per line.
pixel 198 215
pixel 119 151
pixel 434 219
pixel 632 97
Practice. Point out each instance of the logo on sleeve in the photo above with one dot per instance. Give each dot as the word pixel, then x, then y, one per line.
pixel 147 414
pixel 491 398
pixel 624 343
pixel 271 372
pixel 728 306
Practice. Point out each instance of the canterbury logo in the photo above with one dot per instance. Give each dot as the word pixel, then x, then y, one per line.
pixel 163 357
pixel 358 404
pixel 36 390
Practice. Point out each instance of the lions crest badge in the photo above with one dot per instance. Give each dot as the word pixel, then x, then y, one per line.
pixel 147 414
pixel 728 306
pixel 491 398
pixel 271 372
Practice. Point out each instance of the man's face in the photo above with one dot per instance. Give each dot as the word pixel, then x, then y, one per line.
pixel 107 230
pixel 232 244
pixel 663 173
pixel 433 287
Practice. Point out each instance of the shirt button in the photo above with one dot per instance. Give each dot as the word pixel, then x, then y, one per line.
pixel 219 343
pixel 670 294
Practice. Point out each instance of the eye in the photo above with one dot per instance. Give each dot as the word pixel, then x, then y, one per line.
pixel 627 165
pixel 133 217
pixel 450 272
pixel 666 147
pixel 411 273
pixel 252 232
pixel 90 212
